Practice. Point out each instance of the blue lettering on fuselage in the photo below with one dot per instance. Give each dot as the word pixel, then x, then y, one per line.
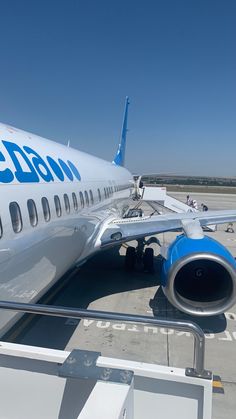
pixel 30 166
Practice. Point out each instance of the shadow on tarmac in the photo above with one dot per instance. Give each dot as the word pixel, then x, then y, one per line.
pixel 101 276
pixel 162 308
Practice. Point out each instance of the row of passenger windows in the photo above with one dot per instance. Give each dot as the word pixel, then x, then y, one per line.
pixel 85 199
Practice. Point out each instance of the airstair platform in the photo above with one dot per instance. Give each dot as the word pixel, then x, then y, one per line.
pixel 160 201
pixel 155 194
pixel 37 382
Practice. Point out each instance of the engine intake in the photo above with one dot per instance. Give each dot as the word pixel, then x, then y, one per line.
pixel 199 276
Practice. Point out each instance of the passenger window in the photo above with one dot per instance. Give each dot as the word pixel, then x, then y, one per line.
pixel 99 195
pixel 46 209
pixel 105 193
pixel 67 203
pixel 33 216
pixel 91 196
pixel 57 205
pixel 16 218
pixel 75 202
pixel 86 198
pixel 81 199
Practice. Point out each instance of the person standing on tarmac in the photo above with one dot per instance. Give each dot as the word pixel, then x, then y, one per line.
pixel 194 204
pixel 229 228
pixel 204 207
pixel 188 201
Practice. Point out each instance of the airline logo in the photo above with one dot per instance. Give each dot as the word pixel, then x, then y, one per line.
pixel 31 167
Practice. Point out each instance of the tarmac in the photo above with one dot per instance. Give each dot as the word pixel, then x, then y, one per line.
pixel 103 284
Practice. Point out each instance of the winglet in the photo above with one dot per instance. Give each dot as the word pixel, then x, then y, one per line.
pixel 119 159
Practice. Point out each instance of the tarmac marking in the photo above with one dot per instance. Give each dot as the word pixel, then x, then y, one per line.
pixel 226 335
pixel 228 315
pixel 134 328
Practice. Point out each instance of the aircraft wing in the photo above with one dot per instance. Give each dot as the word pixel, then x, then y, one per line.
pixel 123 230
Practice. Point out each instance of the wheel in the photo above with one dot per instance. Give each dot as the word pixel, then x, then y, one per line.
pixel 148 260
pixel 130 258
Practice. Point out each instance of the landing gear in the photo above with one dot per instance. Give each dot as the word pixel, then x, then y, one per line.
pixel 139 258
pixel 130 258
pixel 148 260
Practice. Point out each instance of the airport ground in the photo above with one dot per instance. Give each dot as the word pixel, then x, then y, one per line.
pixel 103 284
pixel 201 189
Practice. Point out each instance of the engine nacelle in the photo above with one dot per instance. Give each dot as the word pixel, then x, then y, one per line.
pixel 199 276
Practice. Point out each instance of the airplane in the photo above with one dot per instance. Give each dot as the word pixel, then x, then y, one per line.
pixel 59 206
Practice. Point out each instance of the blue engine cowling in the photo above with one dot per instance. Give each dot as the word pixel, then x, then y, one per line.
pixel 199 276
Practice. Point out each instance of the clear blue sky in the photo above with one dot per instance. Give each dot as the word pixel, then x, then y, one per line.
pixel 66 67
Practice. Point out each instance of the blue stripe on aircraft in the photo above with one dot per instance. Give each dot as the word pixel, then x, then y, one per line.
pixel 37 167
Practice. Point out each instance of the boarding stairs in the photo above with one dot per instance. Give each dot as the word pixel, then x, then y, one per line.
pixel 159 195
pixel 158 199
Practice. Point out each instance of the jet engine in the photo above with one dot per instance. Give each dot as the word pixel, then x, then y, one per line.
pixel 199 276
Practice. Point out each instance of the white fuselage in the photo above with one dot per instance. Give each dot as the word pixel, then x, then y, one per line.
pixel 54 203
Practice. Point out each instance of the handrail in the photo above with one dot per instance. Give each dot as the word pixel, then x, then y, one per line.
pixel 78 313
